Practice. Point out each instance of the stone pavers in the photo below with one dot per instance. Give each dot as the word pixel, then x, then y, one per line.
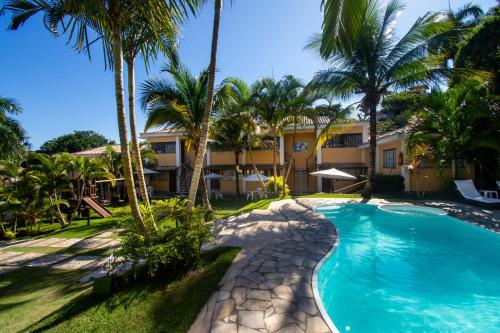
pixel 269 286
pixel 9 257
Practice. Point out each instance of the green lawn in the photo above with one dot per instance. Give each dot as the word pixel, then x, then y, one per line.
pixel 36 300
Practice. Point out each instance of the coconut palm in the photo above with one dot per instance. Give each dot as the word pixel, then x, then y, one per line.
pixel 11 132
pixel 178 103
pixel 143 40
pixel 202 145
pixel 380 62
pixel 108 19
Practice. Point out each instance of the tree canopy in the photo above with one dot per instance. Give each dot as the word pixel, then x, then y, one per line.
pixel 75 142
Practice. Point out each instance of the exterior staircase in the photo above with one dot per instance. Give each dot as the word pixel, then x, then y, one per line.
pixel 186 173
pixel 301 177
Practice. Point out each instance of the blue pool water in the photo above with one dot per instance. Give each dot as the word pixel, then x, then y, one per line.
pixel 395 272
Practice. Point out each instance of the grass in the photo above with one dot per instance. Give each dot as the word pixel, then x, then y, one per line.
pixel 163 305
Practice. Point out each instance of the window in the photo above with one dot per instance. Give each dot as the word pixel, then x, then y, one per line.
pixel 163 147
pixel 344 140
pixel 390 159
pixel 300 146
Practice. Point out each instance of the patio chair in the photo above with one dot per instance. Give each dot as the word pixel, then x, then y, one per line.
pixel 498 184
pixel 218 194
pixel 470 193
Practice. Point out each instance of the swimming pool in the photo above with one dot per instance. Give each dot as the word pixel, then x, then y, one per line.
pixel 395 271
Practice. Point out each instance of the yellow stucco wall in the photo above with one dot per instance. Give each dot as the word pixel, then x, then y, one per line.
pixel 222 158
pixel 160 185
pixel 380 162
pixel 429 180
pixel 262 157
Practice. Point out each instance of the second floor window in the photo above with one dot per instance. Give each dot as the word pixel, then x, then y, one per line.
pixel 163 147
pixel 344 140
pixel 390 159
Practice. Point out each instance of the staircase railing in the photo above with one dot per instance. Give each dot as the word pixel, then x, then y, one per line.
pixel 350 186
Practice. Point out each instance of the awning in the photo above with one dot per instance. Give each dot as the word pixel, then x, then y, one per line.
pixel 333 174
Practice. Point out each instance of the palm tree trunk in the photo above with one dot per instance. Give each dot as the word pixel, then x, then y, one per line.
pixel 275 172
pixel 202 186
pixel 135 144
pixel 255 168
pixel 133 132
pixel 237 176
pixel 198 165
pixel 292 160
pixel 122 129
pixel 373 149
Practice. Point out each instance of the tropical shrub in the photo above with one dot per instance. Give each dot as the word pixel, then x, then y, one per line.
pixel 389 183
pixel 75 142
pixel 170 249
pixel 279 184
pixel 9 235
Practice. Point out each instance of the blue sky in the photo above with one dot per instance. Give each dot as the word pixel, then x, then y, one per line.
pixel 62 91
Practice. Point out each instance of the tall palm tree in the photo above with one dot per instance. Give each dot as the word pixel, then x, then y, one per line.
pixel 11 132
pixel 143 40
pixel 198 165
pixel 179 104
pixel 108 18
pixel 380 62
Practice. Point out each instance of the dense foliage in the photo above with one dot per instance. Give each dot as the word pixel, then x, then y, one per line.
pixel 389 183
pixel 12 135
pixel 75 142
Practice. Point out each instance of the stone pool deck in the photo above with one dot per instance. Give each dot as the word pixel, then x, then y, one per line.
pixel 269 287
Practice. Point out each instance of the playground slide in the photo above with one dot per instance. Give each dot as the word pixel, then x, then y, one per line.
pixel 100 210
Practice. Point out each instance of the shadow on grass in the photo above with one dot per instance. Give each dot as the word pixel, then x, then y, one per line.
pixel 166 304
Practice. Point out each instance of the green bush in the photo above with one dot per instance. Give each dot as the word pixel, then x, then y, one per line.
pixel 389 183
pixel 279 183
pixel 9 235
pixel 171 249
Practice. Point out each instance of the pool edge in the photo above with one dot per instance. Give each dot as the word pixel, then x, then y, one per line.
pixel 318 266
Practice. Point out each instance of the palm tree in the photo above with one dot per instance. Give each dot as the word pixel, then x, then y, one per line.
pixel 140 39
pixel 11 132
pixel 178 104
pixel 108 18
pixel 269 99
pixel 233 101
pixel 380 62
pixel 50 178
pixel 449 122
pixel 202 145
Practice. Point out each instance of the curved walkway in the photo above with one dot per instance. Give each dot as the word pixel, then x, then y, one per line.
pixel 269 287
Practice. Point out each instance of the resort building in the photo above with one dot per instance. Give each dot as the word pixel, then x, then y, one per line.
pixel 346 149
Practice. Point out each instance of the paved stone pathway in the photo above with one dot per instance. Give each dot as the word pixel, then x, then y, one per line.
pixel 11 259
pixel 269 286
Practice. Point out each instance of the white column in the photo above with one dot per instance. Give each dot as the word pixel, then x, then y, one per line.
pixel 318 149
pixel 209 156
pixel 244 186
pixel 404 168
pixel 177 151
pixel 366 130
pixel 282 150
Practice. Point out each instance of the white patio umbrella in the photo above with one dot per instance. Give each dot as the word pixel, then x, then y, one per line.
pixel 213 176
pixel 255 178
pixel 333 174
pixel 149 171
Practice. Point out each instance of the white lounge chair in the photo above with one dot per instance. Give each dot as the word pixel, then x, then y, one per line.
pixel 498 183
pixel 469 192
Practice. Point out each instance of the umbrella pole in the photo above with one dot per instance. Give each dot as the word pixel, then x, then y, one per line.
pixel 331 187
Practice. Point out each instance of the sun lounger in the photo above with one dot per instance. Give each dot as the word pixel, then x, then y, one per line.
pixel 469 192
